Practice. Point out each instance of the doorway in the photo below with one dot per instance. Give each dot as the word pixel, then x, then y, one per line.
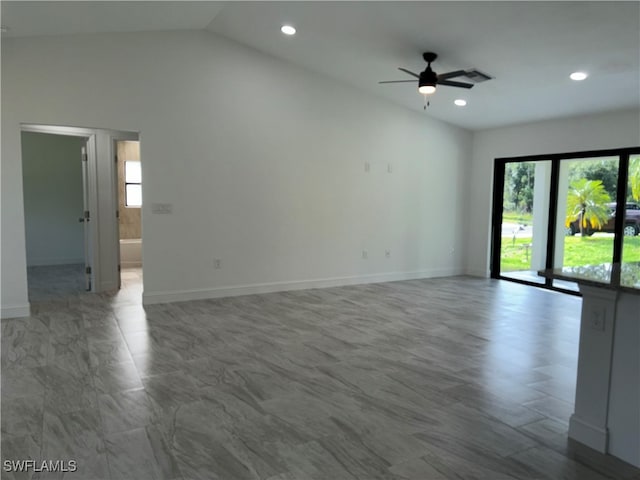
pixel 58 245
pixel 71 213
pixel 525 217
pixel 129 179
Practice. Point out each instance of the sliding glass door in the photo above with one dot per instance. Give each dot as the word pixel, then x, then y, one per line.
pixel 630 269
pixel 587 192
pixel 525 218
pixel 566 211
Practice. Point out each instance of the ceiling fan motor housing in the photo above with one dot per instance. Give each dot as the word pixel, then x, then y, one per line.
pixel 428 77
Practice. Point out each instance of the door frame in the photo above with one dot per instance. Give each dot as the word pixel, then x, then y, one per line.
pixel 91 187
pixel 119 136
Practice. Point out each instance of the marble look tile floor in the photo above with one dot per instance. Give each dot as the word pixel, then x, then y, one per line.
pixel 454 378
pixel 55 282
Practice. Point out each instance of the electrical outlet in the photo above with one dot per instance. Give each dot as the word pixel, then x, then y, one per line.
pixel 389 168
pixel 367 167
pixel 217 263
pixel 387 253
pixel 365 254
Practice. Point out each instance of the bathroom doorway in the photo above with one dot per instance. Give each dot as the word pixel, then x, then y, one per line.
pixel 129 179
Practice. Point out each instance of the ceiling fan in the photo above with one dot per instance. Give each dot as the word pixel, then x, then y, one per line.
pixel 428 79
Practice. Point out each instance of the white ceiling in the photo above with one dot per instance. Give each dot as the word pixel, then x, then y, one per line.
pixel 529 47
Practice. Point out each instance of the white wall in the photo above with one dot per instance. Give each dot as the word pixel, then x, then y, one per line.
pixel 263 163
pixel 594 132
pixel 52 173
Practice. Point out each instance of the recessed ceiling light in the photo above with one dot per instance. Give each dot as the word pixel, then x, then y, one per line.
pixel 460 102
pixel 288 30
pixel 578 76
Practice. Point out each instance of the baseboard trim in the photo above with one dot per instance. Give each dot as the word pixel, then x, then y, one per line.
pixel 16 311
pixel 149 298
pixel 478 273
pixel 588 434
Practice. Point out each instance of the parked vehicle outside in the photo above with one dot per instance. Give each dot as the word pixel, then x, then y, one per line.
pixel 631 222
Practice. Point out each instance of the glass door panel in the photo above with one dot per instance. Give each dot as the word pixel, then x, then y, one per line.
pixel 525 220
pixel 630 271
pixel 586 214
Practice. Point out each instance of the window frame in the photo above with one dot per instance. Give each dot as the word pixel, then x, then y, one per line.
pixel 127 183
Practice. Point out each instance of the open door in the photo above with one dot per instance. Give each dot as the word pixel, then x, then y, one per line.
pixel 128 178
pixel 87 150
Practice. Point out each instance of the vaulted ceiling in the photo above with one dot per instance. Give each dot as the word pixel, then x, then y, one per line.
pixel 530 48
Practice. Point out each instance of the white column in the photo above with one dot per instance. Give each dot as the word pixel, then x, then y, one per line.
pixel 624 398
pixel 588 423
pixel 540 212
pixel 563 188
pixel 607 406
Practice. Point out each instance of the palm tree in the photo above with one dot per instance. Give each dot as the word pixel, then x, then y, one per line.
pixel 587 201
pixel 634 177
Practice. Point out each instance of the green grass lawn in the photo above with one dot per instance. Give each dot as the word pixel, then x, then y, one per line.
pixel 516 217
pixel 577 251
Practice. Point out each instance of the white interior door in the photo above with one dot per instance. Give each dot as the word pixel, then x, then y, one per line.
pixel 88 217
pixel 85 218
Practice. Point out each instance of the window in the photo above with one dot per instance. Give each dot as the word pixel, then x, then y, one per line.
pixel 587 193
pixel 630 265
pixel 132 184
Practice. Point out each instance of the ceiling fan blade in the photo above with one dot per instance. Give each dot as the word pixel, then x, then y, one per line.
pixel 449 83
pixel 398 81
pixel 409 72
pixel 457 73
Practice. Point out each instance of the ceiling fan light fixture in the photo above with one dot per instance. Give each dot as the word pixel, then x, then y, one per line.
pixel 427 82
pixel 427 89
